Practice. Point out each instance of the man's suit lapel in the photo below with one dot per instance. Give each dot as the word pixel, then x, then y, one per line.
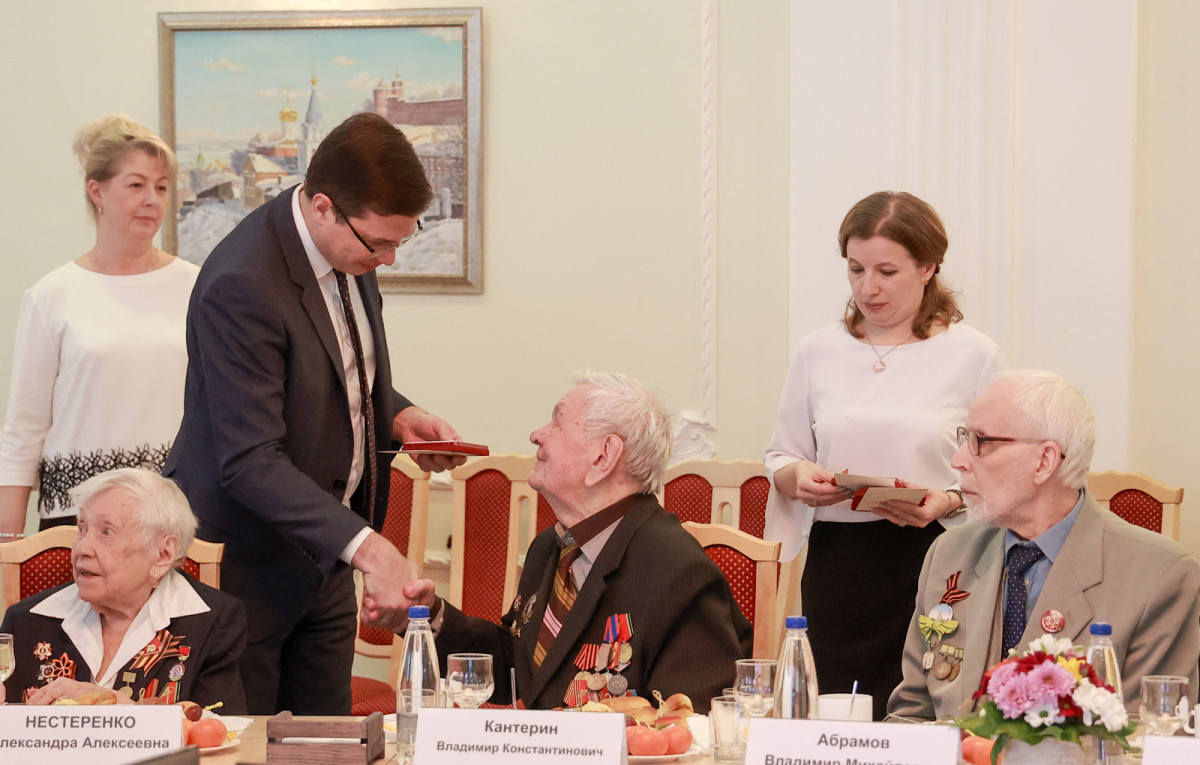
pixel 1078 568
pixel 980 610
pixel 588 599
pixel 300 269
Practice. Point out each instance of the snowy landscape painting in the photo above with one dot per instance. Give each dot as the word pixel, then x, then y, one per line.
pixel 247 98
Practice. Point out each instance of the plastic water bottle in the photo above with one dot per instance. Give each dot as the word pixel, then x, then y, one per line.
pixel 418 685
pixel 1103 657
pixel 796 682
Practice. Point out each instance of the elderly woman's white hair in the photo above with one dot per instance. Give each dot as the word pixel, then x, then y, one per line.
pixel 621 405
pixel 1058 411
pixel 162 509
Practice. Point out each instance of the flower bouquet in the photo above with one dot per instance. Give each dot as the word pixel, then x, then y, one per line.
pixel 1048 692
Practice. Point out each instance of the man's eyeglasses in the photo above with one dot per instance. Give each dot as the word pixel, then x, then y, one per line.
pixel 371 249
pixel 973 440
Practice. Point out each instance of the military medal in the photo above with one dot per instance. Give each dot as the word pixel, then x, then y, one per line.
pixel 947 666
pixel 955 664
pixel 42 651
pixel 617 685
pixel 938 624
pixel 1053 621
pixel 528 612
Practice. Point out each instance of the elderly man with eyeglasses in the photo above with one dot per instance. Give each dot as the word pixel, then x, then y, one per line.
pixel 1040 557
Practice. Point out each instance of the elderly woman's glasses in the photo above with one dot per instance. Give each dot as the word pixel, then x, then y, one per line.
pixel 973 440
pixel 371 249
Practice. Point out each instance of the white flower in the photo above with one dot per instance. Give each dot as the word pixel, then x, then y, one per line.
pixel 1051 645
pixel 1044 714
pixel 1098 702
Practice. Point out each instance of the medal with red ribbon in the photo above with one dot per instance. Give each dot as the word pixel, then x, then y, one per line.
pixel 618 631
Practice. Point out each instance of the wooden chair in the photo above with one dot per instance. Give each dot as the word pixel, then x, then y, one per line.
pixel 1139 499
pixel 405 526
pixel 718 491
pixel 496 515
pixel 43 560
pixel 752 567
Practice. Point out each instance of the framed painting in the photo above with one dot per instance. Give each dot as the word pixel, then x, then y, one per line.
pixel 247 98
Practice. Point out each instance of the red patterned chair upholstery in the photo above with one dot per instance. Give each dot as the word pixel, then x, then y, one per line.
pixel 43 560
pixel 752 567
pixel 1139 499
pixel 718 491
pixel 496 514
pixel 405 527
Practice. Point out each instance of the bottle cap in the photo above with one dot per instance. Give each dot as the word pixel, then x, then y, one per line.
pixel 1101 628
pixel 418 612
pixel 796 623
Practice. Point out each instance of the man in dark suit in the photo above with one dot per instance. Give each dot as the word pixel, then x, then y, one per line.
pixel 284 328
pixel 647 608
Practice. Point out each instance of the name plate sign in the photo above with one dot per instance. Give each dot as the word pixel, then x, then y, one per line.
pixel 471 736
pixel 97 735
pixel 1170 750
pixel 793 742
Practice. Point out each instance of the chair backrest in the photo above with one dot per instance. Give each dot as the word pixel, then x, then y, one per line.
pixel 733 492
pixel 1139 499
pixel 405 526
pixel 43 560
pixel 751 565
pixel 496 513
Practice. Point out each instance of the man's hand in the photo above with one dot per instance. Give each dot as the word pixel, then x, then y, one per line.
pixel 415 424
pixel 385 572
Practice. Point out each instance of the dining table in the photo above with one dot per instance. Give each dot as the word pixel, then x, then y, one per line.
pixel 252 748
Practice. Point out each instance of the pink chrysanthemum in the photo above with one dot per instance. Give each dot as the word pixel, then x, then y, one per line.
pixel 1000 677
pixel 1049 681
pixel 1015 697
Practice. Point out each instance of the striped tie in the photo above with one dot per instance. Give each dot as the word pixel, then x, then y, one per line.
pixel 561 602
pixel 371 469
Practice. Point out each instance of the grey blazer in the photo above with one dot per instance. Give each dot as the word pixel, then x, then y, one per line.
pixel 1144 584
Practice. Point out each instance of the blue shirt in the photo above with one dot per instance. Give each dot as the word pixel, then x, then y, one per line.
pixel 1050 542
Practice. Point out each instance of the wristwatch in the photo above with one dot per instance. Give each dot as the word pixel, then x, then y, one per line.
pixel 962 503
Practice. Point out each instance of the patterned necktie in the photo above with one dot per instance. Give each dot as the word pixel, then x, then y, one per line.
pixel 560 602
pixel 368 406
pixel 1020 558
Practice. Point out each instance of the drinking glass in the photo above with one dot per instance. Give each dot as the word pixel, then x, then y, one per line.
pixel 469 677
pixel 1160 703
pixel 7 661
pixel 754 686
pixel 728 745
pixel 409 703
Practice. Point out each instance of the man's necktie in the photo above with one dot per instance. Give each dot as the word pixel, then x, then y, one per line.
pixel 368 407
pixel 1020 558
pixel 561 600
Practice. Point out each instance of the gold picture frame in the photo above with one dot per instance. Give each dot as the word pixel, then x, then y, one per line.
pixel 224 76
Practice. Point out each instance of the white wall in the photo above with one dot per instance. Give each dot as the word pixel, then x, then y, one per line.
pixel 592 204
pixel 1165 279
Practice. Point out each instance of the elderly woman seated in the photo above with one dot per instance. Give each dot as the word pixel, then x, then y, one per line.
pixel 130 621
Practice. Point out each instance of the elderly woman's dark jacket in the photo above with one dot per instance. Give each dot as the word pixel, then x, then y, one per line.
pixel 195 658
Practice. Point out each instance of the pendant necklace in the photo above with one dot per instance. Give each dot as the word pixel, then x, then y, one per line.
pixel 879 364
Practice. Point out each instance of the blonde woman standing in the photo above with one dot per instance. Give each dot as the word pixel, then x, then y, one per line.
pixel 99 357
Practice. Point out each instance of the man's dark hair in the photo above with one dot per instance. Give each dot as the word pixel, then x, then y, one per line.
pixel 366 163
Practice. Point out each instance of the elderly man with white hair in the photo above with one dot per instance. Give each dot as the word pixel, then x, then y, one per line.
pixel 615 598
pixel 130 622
pixel 1041 558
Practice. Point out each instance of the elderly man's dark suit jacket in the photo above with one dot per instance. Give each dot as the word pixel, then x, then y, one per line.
pixel 265 446
pixel 687 628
